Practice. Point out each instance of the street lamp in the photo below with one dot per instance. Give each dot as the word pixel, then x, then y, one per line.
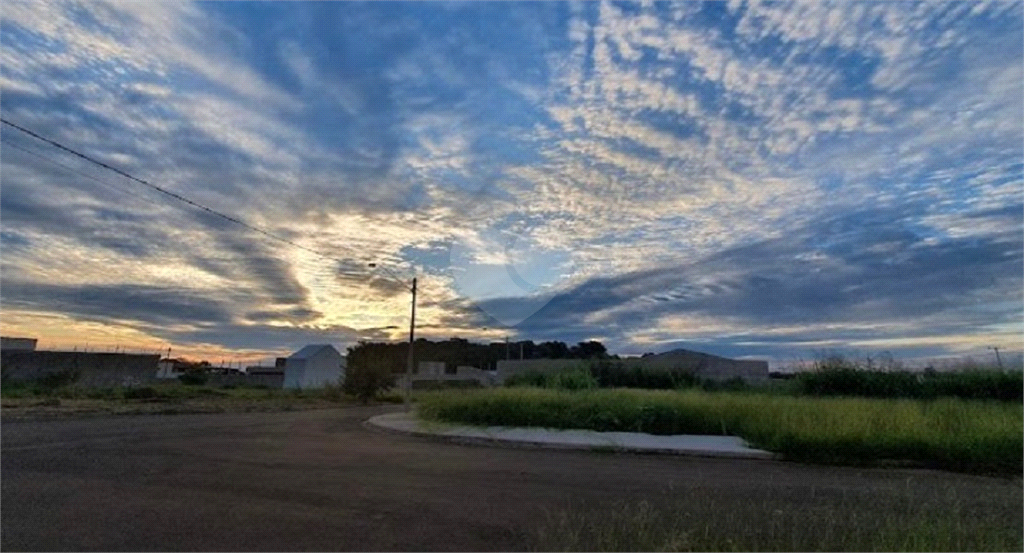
pixel 412 340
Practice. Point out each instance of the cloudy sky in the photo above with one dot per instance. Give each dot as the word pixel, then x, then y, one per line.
pixel 757 180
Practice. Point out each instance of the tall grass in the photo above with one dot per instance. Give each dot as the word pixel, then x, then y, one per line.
pixel 849 380
pixel 946 433
pixel 615 374
pixel 698 522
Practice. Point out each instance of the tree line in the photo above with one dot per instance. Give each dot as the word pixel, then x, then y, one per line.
pixel 457 352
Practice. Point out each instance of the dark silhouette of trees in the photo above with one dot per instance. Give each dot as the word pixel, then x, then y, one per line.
pixel 456 352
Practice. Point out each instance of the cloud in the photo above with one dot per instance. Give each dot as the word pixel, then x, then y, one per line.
pixel 850 171
pixel 868 271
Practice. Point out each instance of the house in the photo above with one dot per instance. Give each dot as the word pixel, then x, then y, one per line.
pixel 314 366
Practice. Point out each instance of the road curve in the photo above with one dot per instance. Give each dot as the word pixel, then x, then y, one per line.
pixel 320 480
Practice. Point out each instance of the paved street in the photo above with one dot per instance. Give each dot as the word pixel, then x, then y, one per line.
pixel 321 480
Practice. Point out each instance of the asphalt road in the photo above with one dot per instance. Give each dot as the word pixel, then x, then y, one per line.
pixel 321 480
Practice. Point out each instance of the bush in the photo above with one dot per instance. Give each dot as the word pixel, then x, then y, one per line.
pixel 367 378
pixel 334 392
pixel 568 379
pixel 572 379
pixel 734 384
pixel 194 378
pixel 612 374
pixel 56 380
pixel 445 384
pixel 146 392
pixel 849 380
pixel 527 378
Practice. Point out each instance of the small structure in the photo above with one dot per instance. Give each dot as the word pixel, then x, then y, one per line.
pixel 170 368
pixel 432 374
pixel 430 369
pixel 314 366
pixel 270 377
pixel 18 344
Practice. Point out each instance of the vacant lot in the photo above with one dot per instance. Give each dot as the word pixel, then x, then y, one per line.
pixel 35 400
pixel 319 480
pixel 948 433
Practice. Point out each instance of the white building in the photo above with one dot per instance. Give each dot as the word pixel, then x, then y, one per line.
pixel 314 366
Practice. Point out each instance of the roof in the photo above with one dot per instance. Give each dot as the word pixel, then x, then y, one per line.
pixel 310 351
pixel 687 352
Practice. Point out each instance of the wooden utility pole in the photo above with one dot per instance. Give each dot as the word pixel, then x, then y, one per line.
pixel 412 340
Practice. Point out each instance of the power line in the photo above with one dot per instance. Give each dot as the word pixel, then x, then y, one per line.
pixel 79 173
pixel 117 188
pixel 170 193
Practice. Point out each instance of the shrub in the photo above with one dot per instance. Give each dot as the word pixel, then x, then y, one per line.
pixel 334 392
pixel 58 379
pixel 615 374
pixel 572 379
pixel 527 378
pixel 146 392
pixel 849 380
pixel 734 384
pixel 367 378
pixel 578 378
pixel 445 384
pixel 194 378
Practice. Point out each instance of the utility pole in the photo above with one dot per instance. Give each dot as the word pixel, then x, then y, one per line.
pixel 998 360
pixel 412 341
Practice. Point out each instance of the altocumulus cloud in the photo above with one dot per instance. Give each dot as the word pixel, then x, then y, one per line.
pixel 755 179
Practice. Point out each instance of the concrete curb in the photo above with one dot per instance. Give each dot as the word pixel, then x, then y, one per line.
pixel 585 440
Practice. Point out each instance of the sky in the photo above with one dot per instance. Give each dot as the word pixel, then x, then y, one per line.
pixel 762 180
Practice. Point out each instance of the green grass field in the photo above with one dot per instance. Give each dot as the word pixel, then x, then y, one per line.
pixel 948 433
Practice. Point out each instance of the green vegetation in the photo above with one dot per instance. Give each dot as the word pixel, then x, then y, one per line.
pixel 368 378
pixel 612 374
pixel 837 377
pixel 973 436
pixel 697 522
pixel 615 374
pixel 456 352
pixel 194 378
pixel 168 397
pixel 570 379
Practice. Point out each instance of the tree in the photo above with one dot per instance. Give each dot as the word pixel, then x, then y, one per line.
pixel 552 350
pixel 368 376
pixel 588 350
